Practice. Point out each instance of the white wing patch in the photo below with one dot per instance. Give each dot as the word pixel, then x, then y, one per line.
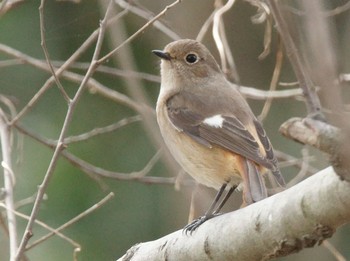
pixel 215 121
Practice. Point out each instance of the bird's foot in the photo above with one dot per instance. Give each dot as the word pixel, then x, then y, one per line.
pixel 191 227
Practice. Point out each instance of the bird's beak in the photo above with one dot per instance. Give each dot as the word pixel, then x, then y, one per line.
pixel 162 54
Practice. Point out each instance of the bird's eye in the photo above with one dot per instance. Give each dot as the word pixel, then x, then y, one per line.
pixel 191 58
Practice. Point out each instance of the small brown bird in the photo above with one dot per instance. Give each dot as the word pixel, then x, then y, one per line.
pixel 209 128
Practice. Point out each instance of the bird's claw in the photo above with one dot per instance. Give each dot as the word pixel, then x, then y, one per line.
pixel 191 227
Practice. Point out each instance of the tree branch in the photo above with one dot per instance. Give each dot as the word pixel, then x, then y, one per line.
pixel 302 216
pixel 315 133
pixel 324 137
pixel 71 108
pixel 9 182
pixel 312 100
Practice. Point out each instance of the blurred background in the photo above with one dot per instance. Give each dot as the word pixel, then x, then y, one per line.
pixel 141 210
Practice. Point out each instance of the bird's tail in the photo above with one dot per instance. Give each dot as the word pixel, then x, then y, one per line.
pixel 254 185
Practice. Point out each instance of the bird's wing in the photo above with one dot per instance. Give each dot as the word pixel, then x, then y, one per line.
pixel 212 128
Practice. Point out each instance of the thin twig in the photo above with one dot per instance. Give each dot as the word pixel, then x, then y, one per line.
pixel 219 41
pixel 73 220
pixel 62 70
pixel 336 11
pixel 42 224
pixel 136 175
pixel 71 108
pixel 337 255
pixel 141 30
pixel 274 81
pixel 8 183
pixel 91 169
pixel 287 160
pixel 115 72
pixel 303 170
pixel 10 62
pixel 6 5
pixel 257 94
pixel 231 71
pixel 312 100
pixel 205 27
pixel 98 88
pixel 99 131
pixel 46 53
pixel 94 85
pixel 147 15
pixel 9 104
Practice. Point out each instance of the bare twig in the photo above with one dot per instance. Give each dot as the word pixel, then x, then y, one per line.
pixel 94 85
pixel 73 220
pixel 9 104
pixel 40 223
pixel 338 256
pixel 136 175
pixel 312 100
pixel 46 53
pixel 322 61
pixel 141 30
pixel 205 27
pixel 99 131
pixel 10 62
pixel 257 94
pixel 220 38
pixel 91 169
pixel 286 160
pixel 336 11
pixel 274 81
pixel 9 180
pixel 71 108
pixel 249 92
pixel 304 169
pixel 147 15
pixel 115 72
pixel 62 70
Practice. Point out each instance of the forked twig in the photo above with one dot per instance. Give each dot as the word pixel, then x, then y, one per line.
pixel 60 71
pixel 71 108
pixel 46 53
pixel 102 130
pixel 73 220
pixel 40 223
pixel 141 30
pixel 146 15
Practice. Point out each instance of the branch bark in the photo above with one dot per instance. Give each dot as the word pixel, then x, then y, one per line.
pixel 324 137
pixel 302 216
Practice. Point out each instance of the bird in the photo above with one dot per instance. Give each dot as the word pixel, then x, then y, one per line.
pixel 210 129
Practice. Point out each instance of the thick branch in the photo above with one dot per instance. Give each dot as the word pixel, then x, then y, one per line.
pixel 324 137
pixel 312 132
pixel 302 216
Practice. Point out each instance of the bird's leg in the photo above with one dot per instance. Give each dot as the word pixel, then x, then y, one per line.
pixel 227 196
pixel 211 212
